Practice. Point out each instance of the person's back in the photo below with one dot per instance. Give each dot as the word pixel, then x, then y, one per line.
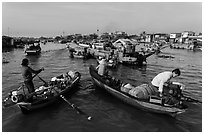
pixel 102 67
pixel 26 73
pixel 161 78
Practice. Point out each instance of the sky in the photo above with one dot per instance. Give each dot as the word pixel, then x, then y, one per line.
pixel 49 19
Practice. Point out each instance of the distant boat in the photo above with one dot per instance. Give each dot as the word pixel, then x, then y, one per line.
pixel 193 47
pixel 43 95
pixel 77 51
pixel 5 61
pixel 32 49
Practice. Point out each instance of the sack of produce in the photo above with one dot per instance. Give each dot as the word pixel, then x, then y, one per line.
pixel 126 88
pixel 142 92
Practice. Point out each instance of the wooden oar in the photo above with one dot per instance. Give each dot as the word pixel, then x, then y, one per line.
pixel 71 104
pixel 189 99
pixel 76 108
pixel 35 75
pixel 46 84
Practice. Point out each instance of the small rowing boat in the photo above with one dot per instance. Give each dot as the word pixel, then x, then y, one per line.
pixel 43 95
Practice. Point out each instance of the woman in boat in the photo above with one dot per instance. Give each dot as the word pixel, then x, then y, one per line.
pixel 163 79
pixel 27 75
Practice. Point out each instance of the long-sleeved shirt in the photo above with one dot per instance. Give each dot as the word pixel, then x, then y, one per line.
pixel 27 73
pixel 101 67
pixel 160 79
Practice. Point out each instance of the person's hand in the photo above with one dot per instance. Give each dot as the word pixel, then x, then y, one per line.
pixel 42 69
pixel 160 94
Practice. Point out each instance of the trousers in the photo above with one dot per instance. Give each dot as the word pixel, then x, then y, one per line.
pixel 30 86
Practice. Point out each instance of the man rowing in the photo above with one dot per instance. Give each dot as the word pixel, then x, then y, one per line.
pixel 27 75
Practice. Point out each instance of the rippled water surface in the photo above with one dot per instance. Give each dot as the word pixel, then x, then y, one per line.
pixel 109 113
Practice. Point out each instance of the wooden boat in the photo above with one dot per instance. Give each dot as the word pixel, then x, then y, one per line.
pixel 44 95
pixel 4 61
pixel 133 58
pixel 77 51
pixel 32 49
pixel 186 46
pixel 108 85
pixel 98 52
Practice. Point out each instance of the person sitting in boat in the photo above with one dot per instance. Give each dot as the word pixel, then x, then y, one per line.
pixel 141 59
pixel 102 67
pixel 27 75
pixel 163 79
pixel 32 47
pixel 38 46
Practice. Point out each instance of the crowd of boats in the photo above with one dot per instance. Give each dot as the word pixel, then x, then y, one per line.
pixel 121 51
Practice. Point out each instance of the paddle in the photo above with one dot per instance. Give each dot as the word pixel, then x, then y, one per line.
pixel 71 104
pixel 37 73
pixel 76 108
pixel 189 99
pixel 46 84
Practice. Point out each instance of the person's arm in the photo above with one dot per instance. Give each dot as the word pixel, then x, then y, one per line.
pixel 35 71
pixel 97 67
pixel 161 84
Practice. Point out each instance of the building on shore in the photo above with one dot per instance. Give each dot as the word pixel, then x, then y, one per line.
pixel 161 37
pixel 185 36
pixel 174 37
pixel 7 42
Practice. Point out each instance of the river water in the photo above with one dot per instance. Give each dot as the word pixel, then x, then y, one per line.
pixel 109 114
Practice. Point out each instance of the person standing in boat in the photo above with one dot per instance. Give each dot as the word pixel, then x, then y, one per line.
pixel 163 78
pixel 27 75
pixel 102 67
pixel 38 46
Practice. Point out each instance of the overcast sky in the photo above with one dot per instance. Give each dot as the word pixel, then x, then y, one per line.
pixel 53 18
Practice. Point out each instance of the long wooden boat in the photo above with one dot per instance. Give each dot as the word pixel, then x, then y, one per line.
pixel 133 59
pixel 146 105
pixel 44 95
pixel 186 46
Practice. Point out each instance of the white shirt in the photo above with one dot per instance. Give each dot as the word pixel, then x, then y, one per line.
pixel 101 67
pixel 160 79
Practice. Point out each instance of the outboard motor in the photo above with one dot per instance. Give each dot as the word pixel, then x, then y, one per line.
pixel 173 93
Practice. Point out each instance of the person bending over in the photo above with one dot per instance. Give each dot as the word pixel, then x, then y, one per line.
pixel 163 78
